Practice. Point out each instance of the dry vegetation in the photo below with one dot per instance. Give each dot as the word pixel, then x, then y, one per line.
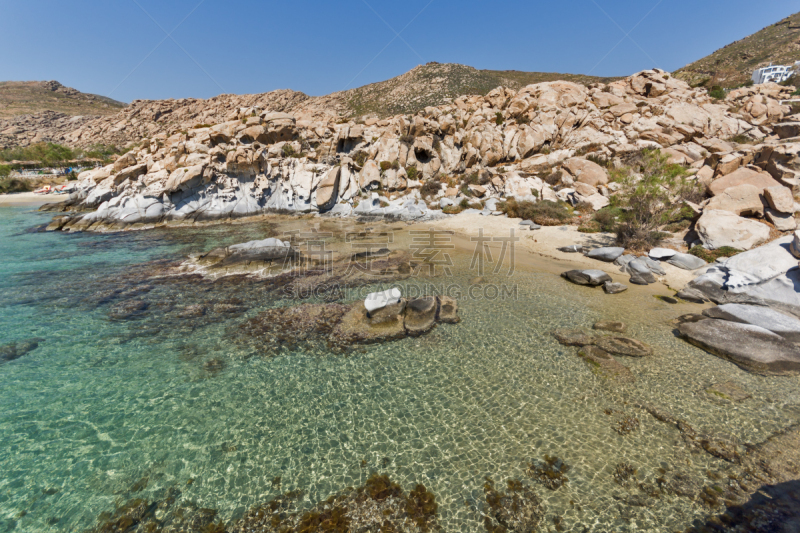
pixel 733 65
pixel 436 84
pixel 27 97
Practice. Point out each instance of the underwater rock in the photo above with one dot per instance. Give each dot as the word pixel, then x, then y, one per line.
pixel 551 472
pixel 228 309
pixel 728 390
pixel 604 365
pixel 624 474
pixel 448 310
pixel 291 326
pixel 214 365
pixel 379 505
pixel 128 309
pixel 573 337
pixel 589 277
pixel 626 425
pixel 15 350
pixel 420 315
pixel 519 510
pixel 610 325
pixel 192 311
pixel 624 346
pixel 750 347
pixel 680 484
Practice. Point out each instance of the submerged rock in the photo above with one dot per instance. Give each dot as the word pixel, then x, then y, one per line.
pixel 609 325
pixel 624 346
pixel 750 347
pixel 518 510
pixel 192 311
pixel 574 337
pixel 15 350
pixel 604 365
pixel 128 309
pixel 728 390
pixel 448 310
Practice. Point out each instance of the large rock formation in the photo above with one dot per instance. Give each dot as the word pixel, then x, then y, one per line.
pixel 233 156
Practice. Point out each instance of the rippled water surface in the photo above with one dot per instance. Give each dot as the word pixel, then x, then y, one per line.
pixel 104 410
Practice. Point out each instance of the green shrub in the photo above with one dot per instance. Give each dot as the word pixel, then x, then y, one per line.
pixel 385 165
pixel 477 178
pixel 465 191
pixel 545 213
pixel 72 176
pixel 288 151
pixel 360 158
pixel 653 194
pixel 45 153
pixel 717 93
pixel 14 185
pixel 437 146
pixel 5 170
pixel 498 118
pixel 412 172
pixel 606 218
pixel 430 187
pixel 709 256
pixel 464 203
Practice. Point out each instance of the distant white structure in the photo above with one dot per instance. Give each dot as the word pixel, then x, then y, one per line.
pixel 775 73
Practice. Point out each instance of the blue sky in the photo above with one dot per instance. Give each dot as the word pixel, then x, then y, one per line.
pixel 150 49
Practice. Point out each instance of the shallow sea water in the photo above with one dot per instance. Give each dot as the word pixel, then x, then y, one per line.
pixel 104 410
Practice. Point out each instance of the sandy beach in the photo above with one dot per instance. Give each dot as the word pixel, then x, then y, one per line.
pixel 20 199
pixel 544 243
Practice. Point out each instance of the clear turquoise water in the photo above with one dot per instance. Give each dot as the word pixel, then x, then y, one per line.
pixel 102 404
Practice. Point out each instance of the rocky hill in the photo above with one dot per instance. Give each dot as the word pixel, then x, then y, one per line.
pixel 428 85
pixel 733 65
pixel 29 97
pixel 234 156
pixel 435 84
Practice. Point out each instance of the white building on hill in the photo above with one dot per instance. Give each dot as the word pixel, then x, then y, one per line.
pixel 775 73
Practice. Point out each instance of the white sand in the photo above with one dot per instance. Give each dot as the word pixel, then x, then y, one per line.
pixel 545 242
pixel 29 199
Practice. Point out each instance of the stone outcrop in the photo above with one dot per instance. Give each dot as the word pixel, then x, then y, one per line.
pixel 718 228
pixel 233 156
pixel 751 347
pixel 341 326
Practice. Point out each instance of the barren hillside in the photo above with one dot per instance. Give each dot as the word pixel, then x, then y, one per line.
pixel 28 97
pixel 734 64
